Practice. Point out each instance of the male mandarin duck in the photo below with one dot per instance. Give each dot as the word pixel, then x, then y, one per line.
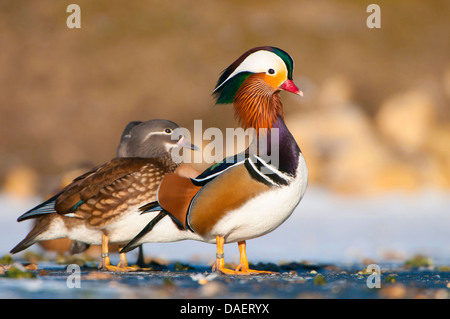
pixel 102 206
pixel 244 196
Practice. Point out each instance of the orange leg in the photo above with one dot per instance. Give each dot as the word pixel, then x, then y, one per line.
pixel 243 267
pixel 106 262
pixel 220 261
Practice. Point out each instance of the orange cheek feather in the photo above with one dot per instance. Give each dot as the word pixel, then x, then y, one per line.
pixel 276 80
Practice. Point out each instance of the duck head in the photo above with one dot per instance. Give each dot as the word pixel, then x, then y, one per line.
pixel 253 82
pixel 154 138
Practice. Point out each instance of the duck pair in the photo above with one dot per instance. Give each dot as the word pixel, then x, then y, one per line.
pixel 147 195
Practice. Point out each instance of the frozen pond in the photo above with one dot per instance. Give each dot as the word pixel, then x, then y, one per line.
pixel 293 282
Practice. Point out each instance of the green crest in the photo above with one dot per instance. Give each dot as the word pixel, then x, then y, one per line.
pixel 226 93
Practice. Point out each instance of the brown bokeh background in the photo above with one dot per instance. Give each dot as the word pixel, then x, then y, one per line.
pixel 375 116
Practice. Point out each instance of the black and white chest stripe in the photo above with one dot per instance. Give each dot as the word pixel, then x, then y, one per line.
pixel 265 172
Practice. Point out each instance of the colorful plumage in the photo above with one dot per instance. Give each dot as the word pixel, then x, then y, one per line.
pixel 256 191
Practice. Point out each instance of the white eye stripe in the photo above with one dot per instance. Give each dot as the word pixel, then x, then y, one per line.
pixel 153 133
pixel 258 62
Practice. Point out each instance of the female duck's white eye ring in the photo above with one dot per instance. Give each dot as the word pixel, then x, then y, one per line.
pixel 271 71
pixel 168 131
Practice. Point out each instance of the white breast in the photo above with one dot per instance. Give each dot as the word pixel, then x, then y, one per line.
pixel 263 213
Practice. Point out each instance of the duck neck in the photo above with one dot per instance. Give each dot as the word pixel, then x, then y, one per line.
pixel 256 104
pixel 277 146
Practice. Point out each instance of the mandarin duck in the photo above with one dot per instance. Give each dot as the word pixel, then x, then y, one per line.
pixel 72 246
pixel 246 195
pixel 123 150
pixel 103 205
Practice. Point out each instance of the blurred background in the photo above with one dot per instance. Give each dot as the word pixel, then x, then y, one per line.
pixel 374 123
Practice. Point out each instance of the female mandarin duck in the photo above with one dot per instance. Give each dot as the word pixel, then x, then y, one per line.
pixel 102 205
pixel 245 196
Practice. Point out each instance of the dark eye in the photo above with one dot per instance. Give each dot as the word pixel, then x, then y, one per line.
pixel 271 71
pixel 168 131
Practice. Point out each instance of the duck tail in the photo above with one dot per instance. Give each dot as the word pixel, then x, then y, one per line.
pixel 33 236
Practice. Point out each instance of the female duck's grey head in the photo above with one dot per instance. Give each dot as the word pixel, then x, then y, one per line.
pixel 154 138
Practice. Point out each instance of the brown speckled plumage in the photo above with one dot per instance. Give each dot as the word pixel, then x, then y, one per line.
pixel 109 190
